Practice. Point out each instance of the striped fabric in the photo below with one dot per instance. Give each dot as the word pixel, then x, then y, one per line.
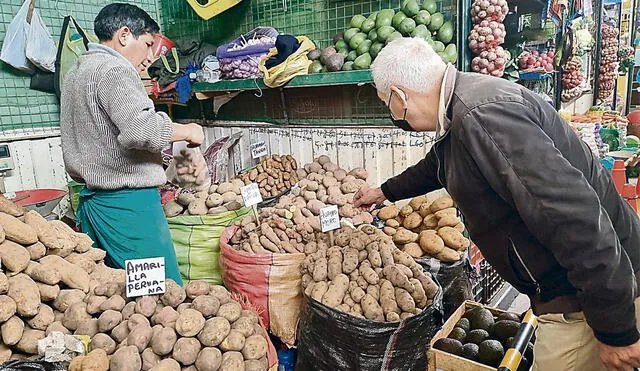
pixel 112 136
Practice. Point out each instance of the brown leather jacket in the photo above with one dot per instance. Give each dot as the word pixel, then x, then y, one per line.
pixel 537 202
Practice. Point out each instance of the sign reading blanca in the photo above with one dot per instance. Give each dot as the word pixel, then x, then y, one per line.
pixel 145 277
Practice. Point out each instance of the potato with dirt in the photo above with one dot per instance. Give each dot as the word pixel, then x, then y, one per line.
pixel 126 358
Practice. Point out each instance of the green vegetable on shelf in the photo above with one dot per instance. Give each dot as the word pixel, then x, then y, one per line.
pixel 375 49
pixel 407 26
pixel 451 51
pixel 445 33
pixel 348 66
pixel 367 25
pixel 373 16
pixel 421 31
pixel 364 47
pixel 315 67
pixel 410 8
pixel 437 20
pixel 438 47
pixel 341 44
pixel 384 17
pixel 397 19
pixel 363 62
pixel 348 34
pixel 356 40
pixel 423 17
pixel 384 32
pixel 357 20
pixel 430 6
pixel 373 35
pixel 352 55
pixel 394 36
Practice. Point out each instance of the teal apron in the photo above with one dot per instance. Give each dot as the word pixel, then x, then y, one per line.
pixel 128 224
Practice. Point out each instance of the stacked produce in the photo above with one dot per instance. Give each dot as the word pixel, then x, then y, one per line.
pixel 482 337
pixel 274 175
pixel 608 62
pixel 327 60
pixel 423 229
pixel 573 81
pixel 362 42
pixel 240 59
pixel 534 59
pixel 626 56
pixel 365 275
pixel 292 224
pixel 219 198
pixel 487 35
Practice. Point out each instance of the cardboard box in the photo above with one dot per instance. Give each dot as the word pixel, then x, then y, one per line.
pixel 443 361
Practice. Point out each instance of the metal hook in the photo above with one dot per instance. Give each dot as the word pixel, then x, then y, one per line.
pixel 259 95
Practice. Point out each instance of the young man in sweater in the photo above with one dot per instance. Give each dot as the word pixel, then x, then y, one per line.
pixel 536 201
pixel 112 139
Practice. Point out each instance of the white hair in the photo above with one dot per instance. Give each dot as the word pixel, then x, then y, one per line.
pixel 408 62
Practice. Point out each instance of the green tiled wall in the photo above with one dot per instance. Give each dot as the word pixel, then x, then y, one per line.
pixel 20 107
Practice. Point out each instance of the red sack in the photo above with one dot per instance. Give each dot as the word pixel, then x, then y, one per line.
pixel 271 282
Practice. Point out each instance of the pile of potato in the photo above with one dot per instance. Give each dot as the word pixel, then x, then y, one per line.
pixel 365 275
pixel 274 175
pixel 47 268
pixel 199 327
pixel 219 198
pixel 426 229
pixel 324 183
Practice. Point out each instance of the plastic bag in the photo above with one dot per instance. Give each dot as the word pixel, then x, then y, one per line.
pixel 14 47
pixel 332 340
pixel 455 278
pixel 41 50
pixel 296 64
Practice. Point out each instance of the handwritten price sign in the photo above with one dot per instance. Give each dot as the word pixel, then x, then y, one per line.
pixel 329 218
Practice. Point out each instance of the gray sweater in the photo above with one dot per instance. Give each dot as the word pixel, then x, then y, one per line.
pixel 112 137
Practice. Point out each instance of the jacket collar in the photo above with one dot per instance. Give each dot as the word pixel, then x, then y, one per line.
pixel 100 48
pixel 446 93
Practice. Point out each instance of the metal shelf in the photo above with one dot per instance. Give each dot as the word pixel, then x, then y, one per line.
pixel 304 81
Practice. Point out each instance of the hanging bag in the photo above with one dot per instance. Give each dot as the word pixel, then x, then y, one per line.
pixel 71 47
pixel 41 50
pixel 15 41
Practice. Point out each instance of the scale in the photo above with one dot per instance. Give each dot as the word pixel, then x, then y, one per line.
pixel 6 164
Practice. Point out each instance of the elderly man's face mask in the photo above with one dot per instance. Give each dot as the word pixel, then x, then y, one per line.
pixel 400 123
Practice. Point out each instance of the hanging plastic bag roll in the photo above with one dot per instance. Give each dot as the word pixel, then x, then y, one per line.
pixel 41 50
pixel 14 46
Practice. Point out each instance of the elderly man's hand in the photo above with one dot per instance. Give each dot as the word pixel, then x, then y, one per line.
pixel 195 135
pixel 367 197
pixel 620 358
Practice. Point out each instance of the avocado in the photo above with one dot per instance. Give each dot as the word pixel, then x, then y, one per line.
pixel 347 66
pixel 351 56
pixel 375 48
pixel 393 36
pixel 421 31
pixel 508 316
pixel 364 47
pixel 384 32
pixel 384 17
pixel 449 345
pixel 407 26
pixel 480 318
pixel 315 67
pixel 437 20
pixel 477 336
pixel 348 34
pixel 362 62
pixel 341 44
pixel 445 33
pixel 314 55
pixel 470 351
pixel 451 51
pixel 397 19
pixel 335 62
pixel 430 6
pixel 464 324
pixel 357 20
pixel 423 17
pixel 373 35
pixel 324 70
pixel 410 7
pixel 490 352
pixel 458 334
pixel 368 25
pixel 373 16
pixel 503 330
pixel 344 51
pixel 356 40
pixel 439 48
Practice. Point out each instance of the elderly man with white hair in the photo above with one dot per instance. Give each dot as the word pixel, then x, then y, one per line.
pixel 536 201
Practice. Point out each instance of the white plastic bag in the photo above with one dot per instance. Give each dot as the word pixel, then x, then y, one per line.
pixel 41 50
pixel 14 46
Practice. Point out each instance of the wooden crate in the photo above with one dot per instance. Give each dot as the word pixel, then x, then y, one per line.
pixel 443 361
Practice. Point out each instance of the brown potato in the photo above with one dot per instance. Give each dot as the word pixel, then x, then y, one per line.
pixel 186 351
pixel 209 359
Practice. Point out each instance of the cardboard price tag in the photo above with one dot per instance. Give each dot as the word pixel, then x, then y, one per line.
pixel 251 194
pixel 259 149
pixel 144 277
pixel 329 218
